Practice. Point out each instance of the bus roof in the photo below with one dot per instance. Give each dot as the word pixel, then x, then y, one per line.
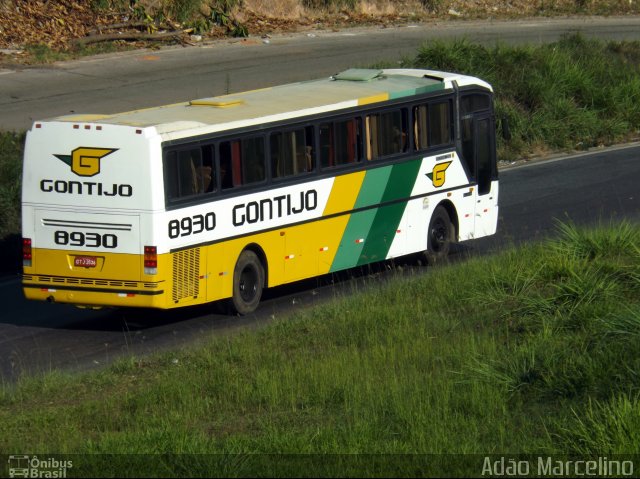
pixel 347 89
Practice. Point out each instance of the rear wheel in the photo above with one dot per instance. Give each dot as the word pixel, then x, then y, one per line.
pixel 440 236
pixel 248 282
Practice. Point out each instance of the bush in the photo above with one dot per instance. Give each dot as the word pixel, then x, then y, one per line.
pixel 11 151
pixel 572 94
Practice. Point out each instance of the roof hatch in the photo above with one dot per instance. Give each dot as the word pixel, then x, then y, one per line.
pixel 358 74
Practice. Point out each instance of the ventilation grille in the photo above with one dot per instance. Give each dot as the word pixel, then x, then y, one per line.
pixel 88 281
pixel 186 283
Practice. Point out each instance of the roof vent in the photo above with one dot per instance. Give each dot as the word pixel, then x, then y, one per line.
pixel 358 74
pixel 217 102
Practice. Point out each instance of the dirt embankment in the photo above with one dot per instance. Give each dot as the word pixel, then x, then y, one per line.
pixel 67 25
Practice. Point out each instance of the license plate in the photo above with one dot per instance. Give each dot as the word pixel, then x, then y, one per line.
pixel 85 261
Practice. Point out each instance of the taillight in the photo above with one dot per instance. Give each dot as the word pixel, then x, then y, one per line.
pixel 150 260
pixel 26 251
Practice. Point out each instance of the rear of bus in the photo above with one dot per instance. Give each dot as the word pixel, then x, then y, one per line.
pixel 87 206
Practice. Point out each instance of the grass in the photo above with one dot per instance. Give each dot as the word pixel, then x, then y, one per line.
pixel 533 351
pixel 572 94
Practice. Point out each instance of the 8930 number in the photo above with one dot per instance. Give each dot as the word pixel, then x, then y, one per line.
pixel 87 240
pixel 192 225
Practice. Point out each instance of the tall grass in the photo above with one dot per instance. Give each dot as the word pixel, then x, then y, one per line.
pixel 523 353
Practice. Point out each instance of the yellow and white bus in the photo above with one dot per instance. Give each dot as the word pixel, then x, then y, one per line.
pixel 222 197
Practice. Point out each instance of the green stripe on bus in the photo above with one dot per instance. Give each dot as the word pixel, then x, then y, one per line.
pixel 416 91
pixel 371 193
pixel 387 219
pixel 373 187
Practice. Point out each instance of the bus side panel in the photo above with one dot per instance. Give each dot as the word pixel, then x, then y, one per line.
pixel 487 212
pixel 441 172
pixel 222 258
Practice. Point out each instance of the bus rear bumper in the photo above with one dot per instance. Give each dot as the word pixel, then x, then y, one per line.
pixel 144 295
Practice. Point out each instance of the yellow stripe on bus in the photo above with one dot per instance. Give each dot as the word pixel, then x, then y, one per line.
pixel 373 99
pixel 344 193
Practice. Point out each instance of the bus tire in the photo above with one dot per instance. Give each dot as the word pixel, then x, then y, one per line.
pixel 248 282
pixel 440 235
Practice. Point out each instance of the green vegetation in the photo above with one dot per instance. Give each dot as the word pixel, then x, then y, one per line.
pixel 572 94
pixel 11 150
pixel 533 351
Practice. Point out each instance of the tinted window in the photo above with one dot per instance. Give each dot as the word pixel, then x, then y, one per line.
pixel 432 125
pixel 189 172
pixel 292 152
pixel 386 133
pixel 340 142
pixel 242 162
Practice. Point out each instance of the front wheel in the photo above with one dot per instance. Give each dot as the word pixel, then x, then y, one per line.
pixel 248 281
pixel 439 236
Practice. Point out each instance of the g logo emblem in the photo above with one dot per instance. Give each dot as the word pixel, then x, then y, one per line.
pixel 437 175
pixel 86 161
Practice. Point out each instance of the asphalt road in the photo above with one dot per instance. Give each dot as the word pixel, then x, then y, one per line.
pixel 122 82
pixel 587 189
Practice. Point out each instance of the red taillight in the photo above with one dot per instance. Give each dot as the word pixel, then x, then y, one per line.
pixel 26 252
pixel 150 260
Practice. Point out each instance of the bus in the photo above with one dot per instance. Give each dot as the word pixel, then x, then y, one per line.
pixel 221 197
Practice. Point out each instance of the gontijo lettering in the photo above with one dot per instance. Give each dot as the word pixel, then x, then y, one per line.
pixel 89 188
pixel 277 207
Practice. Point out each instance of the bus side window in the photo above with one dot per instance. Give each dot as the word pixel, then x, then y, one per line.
pixel 253 160
pixel 292 152
pixel 226 179
pixel 340 142
pixel 171 179
pixel 243 160
pixel 327 153
pixel 440 128
pixel 347 141
pixel 432 125
pixel 420 127
pixel 188 172
pixel 205 172
pixel 386 133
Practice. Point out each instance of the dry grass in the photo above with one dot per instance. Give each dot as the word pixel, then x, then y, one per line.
pixel 287 9
pixel 57 25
